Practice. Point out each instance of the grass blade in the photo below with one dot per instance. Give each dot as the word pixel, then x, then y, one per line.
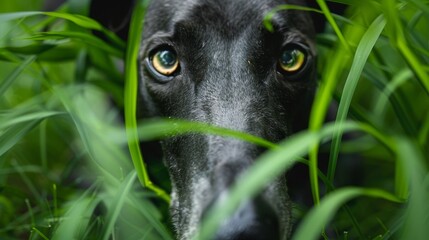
pixel 82 21
pixel 84 37
pixel 40 115
pixel 397 99
pixel 411 160
pixel 79 20
pixel 399 79
pixel 4 17
pixel 424 132
pixel 319 216
pixel 328 15
pixel 77 217
pixel 33 49
pixel 398 39
pixel 14 134
pixel 361 56
pixel 131 89
pixel 267 18
pixel 117 204
pixel 6 83
pixel 162 128
pixel 320 108
pixel 265 169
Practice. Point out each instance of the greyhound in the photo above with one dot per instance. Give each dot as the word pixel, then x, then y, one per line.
pixel 213 61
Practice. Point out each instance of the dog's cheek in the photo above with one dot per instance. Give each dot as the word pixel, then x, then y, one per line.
pixel 172 99
pixel 189 183
pixel 277 197
pixel 177 169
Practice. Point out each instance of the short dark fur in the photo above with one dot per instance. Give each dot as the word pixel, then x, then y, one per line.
pixel 229 78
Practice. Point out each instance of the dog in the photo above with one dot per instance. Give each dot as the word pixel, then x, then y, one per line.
pixel 213 61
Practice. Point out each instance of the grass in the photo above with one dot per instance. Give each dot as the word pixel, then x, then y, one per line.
pixel 69 168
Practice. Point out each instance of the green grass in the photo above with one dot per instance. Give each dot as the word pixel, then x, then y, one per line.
pixel 69 168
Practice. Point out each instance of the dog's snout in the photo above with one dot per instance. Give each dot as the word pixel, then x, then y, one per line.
pixel 253 220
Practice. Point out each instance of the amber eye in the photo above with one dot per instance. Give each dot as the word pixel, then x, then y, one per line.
pixel 292 60
pixel 165 62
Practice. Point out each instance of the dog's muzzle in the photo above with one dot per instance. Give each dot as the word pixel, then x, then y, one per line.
pixel 253 220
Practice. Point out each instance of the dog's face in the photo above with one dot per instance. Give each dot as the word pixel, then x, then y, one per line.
pixel 213 61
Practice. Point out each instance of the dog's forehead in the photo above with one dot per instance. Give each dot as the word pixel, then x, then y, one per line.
pixel 230 13
pixel 233 15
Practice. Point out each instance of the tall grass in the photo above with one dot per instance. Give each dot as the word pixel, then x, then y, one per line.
pixel 69 168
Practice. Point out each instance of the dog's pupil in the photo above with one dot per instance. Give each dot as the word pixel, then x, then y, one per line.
pixel 288 58
pixel 167 58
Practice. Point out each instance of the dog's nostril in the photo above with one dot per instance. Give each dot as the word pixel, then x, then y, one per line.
pixel 254 220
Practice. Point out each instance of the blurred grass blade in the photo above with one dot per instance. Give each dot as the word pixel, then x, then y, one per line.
pixel 361 56
pixel 130 101
pixel 267 18
pixel 94 120
pixel 415 64
pixel 44 52
pixel 6 83
pixel 82 66
pixel 77 217
pixel 86 120
pixel 424 132
pixel 339 59
pixel 162 128
pixel 33 49
pixel 84 37
pixel 79 20
pixel 39 115
pixel 398 39
pixel 399 79
pixel 320 106
pixel 274 162
pixel 417 213
pixel 16 127
pixel 39 233
pixel 265 169
pixel 101 61
pixel 4 17
pixel 88 23
pixel 319 217
pixel 14 134
pixel 421 5
pixel 117 203
pixel 399 103
pixel 328 15
pixel 8 56
pixel 156 129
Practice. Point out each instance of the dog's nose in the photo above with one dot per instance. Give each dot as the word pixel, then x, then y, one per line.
pixel 253 220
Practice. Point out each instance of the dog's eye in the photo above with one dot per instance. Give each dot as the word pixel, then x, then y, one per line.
pixel 165 62
pixel 292 60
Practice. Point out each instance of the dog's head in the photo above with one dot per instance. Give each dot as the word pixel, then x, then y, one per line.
pixel 213 61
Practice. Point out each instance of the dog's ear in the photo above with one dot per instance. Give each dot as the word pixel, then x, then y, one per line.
pixel 113 14
pixel 319 20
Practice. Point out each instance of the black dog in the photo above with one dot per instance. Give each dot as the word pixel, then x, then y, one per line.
pixel 213 61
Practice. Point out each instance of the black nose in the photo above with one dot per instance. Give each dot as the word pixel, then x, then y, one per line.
pixel 253 220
